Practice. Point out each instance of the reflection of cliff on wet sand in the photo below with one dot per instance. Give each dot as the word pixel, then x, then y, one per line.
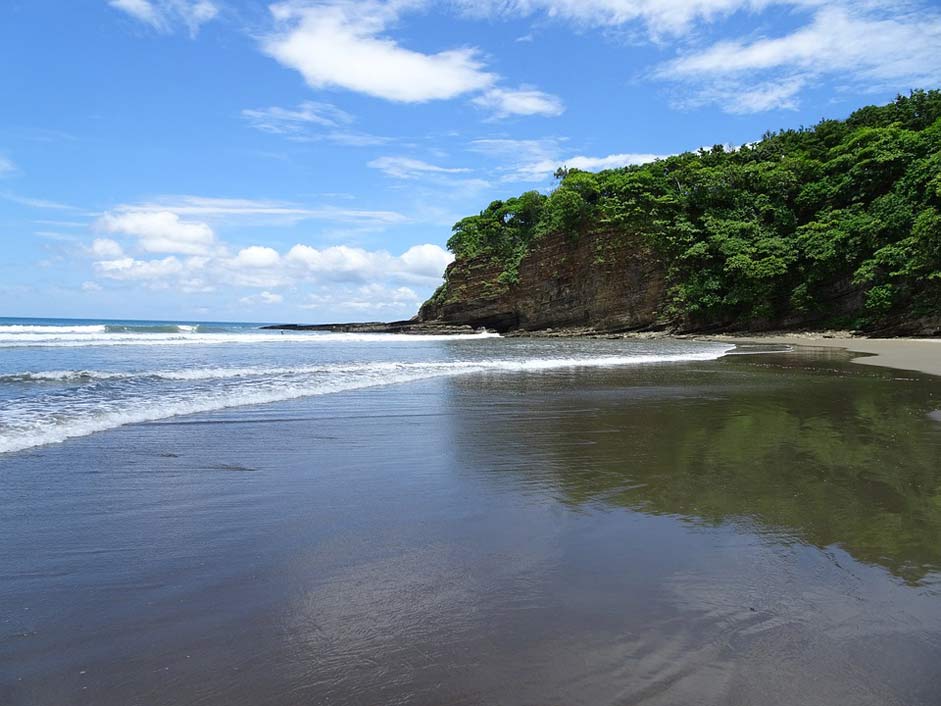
pixel 851 459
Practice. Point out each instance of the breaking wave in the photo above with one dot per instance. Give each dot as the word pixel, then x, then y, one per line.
pixel 182 335
pixel 132 397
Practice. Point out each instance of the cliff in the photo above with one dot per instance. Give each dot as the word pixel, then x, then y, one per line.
pixel 837 225
pixel 603 281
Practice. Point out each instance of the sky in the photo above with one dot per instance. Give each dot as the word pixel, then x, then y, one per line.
pixel 304 161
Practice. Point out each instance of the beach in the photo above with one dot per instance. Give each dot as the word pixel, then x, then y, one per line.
pixel 758 526
pixel 922 355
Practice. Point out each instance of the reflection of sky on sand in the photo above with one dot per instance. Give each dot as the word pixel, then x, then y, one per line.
pixel 847 459
pixel 730 532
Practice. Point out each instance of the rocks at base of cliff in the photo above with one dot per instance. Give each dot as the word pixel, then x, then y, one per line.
pixel 604 282
pixel 411 326
pixel 612 282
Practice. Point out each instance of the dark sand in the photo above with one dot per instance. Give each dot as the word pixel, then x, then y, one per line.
pixel 764 529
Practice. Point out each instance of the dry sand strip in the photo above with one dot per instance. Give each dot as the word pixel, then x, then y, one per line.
pixel 916 354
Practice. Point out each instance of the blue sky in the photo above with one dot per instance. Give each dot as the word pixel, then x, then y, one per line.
pixel 304 161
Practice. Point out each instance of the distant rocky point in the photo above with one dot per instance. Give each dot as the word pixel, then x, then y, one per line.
pixel 411 326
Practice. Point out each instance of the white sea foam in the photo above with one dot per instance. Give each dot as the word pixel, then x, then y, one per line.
pixel 65 339
pixel 26 423
pixel 20 329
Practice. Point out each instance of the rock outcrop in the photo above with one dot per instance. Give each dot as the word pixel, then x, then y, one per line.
pixel 604 282
pixel 611 282
pixel 412 326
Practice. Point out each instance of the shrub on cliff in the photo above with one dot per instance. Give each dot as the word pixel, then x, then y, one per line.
pixel 764 230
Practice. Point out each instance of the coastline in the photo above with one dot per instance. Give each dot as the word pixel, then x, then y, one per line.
pixel 921 355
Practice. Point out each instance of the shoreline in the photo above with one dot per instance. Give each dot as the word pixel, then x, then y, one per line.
pixel 921 355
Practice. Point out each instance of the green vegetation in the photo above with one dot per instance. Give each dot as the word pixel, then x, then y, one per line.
pixel 764 231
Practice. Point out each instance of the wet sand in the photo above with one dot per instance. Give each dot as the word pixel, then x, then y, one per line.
pixel 921 355
pixel 760 529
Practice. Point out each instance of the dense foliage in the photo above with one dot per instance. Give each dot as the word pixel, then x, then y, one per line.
pixel 765 230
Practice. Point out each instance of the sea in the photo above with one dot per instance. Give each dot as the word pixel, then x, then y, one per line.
pixel 218 515
pixel 64 378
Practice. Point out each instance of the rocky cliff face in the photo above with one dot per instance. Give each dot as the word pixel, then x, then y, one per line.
pixel 606 282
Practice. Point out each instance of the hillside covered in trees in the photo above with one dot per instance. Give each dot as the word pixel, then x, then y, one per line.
pixel 836 224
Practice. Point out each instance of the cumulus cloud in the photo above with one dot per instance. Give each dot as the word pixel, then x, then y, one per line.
pixel 165 15
pixel 503 103
pixel 257 256
pixel 425 260
pixel 341 45
pixel 160 231
pixel 420 263
pixel 394 302
pixel 408 168
pixel 344 44
pixel 171 243
pixel 357 274
pixel 106 248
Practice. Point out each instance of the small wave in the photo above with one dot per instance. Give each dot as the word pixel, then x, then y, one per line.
pixel 152 328
pixel 23 425
pixel 21 329
pixel 455 366
pixel 184 338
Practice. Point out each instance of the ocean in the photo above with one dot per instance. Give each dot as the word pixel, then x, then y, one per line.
pixel 62 378
pixel 213 514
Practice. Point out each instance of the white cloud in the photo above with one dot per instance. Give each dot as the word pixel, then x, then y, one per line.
pixel 517 150
pixel 37 203
pixel 341 262
pixel 393 302
pixel 285 121
pixel 91 287
pixel 160 231
pixel 106 248
pixel 340 45
pixel 408 168
pixel 264 267
pixel 660 17
pixel 861 45
pixel 127 268
pixel 503 103
pixel 263 298
pixel 542 169
pixel 142 10
pixel 866 47
pixel 257 256
pixel 7 167
pixel 311 122
pixel 222 210
pixel 164 15
pixel 425 261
